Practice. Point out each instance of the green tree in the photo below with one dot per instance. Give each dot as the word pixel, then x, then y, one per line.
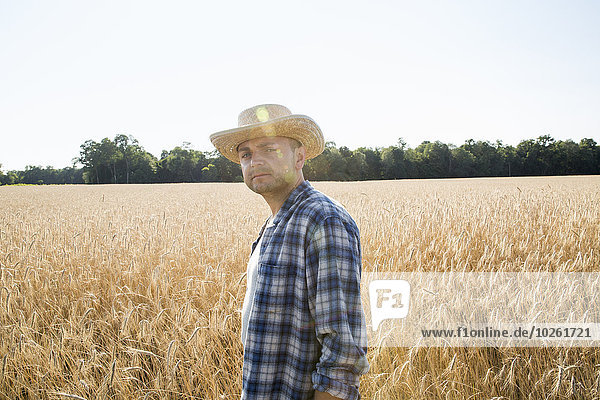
pixel 488 160
pixel 227 170
pixel 89 157
pixel 393 163
pixel 337 164
pixel 98 160
pixel 178 165
pixel 143 166
pixel 136 165
pixel 10 178
pixel 69 175
pixel 317 169
pixel 37 175
pixel 355 166
pixel 210 173
pixel 434 159
pixel 463 163
pixel 110 157
pixel 536 156
pixel 121 160
pixel 589 153
pixel 372 160
pixel 122 143
pixel 510 160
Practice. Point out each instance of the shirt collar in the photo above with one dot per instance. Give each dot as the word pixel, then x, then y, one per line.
pixel 296 194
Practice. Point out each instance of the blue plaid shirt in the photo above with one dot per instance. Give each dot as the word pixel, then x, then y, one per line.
pixel 307 328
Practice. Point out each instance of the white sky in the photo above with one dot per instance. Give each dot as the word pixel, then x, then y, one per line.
pixel 368 72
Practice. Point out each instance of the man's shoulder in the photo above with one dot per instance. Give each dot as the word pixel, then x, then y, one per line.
pixel 317 206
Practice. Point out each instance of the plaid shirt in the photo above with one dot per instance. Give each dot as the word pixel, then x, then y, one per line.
pixel 307 328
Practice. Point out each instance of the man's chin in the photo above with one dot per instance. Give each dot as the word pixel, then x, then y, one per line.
pixel 258 187
pixel 261 189
pixel 261 184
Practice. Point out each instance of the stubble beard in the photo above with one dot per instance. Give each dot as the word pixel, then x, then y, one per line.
pixel 272 183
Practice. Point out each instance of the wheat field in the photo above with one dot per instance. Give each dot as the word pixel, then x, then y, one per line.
pixel 134 291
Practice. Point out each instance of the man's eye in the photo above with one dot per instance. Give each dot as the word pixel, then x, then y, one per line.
pixel 245 155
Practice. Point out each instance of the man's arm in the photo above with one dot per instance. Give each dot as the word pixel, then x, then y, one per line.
pixel 333 280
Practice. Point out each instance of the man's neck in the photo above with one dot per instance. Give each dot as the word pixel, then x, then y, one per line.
pixel 276 201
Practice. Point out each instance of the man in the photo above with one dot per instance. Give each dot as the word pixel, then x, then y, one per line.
pixel 303 326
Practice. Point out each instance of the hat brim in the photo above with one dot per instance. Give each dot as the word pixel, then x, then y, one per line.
pixel 298 127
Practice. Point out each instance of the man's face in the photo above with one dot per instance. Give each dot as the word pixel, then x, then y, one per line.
pixel 271 165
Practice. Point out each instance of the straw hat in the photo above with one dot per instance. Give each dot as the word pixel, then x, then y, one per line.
pixel 269 120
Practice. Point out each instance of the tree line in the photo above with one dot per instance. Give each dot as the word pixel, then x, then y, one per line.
pixel 124 160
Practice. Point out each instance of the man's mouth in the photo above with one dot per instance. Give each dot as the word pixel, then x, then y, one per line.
pixel 259 175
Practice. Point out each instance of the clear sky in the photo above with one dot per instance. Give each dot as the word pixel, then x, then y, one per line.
pixel 368 72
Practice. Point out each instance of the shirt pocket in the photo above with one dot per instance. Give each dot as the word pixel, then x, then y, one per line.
pixel 274 288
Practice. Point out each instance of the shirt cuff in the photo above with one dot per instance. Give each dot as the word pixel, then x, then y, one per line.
pixel 336 388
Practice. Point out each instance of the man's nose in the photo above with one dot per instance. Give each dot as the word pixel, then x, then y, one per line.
pixel 256 160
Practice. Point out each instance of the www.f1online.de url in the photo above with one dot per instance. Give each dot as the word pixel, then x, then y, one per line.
pixel 545 331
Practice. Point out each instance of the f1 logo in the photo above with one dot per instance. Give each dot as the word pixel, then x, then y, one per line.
pixel 389 300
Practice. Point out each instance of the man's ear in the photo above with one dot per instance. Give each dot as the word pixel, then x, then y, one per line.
pixel 300 157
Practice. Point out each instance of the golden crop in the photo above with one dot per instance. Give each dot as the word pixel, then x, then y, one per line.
pixel 134 291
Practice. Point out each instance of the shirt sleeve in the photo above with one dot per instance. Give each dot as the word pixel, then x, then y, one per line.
pixel 333 268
